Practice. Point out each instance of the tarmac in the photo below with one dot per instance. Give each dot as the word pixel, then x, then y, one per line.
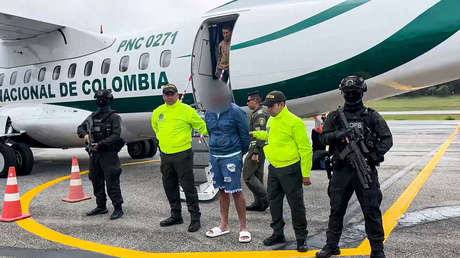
pixel 423 150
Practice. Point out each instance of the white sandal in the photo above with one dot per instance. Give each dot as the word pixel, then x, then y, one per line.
pixel 245 237
pixel 215 232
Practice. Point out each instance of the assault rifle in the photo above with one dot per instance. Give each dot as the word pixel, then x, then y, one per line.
pixel 89 146
pixel 355 150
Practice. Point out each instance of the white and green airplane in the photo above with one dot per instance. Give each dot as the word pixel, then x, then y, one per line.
pixel 49 73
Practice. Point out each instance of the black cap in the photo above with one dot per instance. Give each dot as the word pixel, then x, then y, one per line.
pixel 256 92
pixel 169 88
pixel 274 97
pixel 105 93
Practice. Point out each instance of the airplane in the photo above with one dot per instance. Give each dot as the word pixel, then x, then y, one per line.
pixel 49 72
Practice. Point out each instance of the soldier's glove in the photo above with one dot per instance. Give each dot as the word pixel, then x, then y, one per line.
pixel 340 135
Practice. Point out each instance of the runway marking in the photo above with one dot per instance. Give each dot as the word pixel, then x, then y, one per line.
pixel 394 213
pixel 389 220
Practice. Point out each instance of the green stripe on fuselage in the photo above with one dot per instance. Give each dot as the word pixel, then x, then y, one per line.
pixel 312 21
pixel 125 105
pixel 418 37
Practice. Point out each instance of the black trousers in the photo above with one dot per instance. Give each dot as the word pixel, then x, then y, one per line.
pixel 287 181
pixel 104 168
pixel 177 169
pixel 253 174
pixel 343 183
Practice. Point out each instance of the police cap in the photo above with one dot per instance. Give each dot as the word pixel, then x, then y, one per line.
pixel 169 88
pixel 274 97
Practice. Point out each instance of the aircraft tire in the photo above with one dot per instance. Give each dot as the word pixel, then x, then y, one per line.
pixel 139 149
pixel 7 159
pixel 153 147
pixel 24 158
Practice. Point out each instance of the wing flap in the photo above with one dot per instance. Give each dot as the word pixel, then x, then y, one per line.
pixel 14 27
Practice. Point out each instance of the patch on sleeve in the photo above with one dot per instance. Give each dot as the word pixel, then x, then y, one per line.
pixel 227 179
pixel 231 167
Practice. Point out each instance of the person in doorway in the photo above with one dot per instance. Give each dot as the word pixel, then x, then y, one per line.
pixel 222 68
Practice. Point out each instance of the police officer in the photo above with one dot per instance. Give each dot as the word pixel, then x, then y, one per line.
pixel 173 123
pixel 290 155
pixel 344 181
pixel 103 129
pixel 253 168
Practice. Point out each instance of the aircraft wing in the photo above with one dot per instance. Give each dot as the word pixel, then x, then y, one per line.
pixel 15 27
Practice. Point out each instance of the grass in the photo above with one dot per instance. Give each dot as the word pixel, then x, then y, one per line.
pixel 416 103
pixel 422 117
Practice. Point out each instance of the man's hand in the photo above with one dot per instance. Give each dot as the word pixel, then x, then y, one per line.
pixel 86 138
pixel 306 181
pixel 255 157
pixel 96 145
pixel 251 133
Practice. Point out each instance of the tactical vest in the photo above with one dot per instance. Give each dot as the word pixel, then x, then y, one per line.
pixel 101 127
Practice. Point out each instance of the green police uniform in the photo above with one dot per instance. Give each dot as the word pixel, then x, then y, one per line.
pixel 253 171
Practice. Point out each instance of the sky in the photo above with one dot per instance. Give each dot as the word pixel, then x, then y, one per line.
pixel 116 16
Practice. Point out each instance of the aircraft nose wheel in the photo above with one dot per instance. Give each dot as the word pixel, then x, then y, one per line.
pixel 7 159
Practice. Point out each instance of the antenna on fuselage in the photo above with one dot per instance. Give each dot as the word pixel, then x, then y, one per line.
pixel 101 30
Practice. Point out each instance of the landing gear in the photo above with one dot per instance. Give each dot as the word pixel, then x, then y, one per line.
pixel 142 149
pixel 24 158
pixel 7 159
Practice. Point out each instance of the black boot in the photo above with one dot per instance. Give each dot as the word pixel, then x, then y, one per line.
pixel 253 207
pixel 328 251
pixel 117 213
pixel 377 249
pixel 194 226
pixel 274 239
pixel 302 245
pixel 171 221
pixel 98 210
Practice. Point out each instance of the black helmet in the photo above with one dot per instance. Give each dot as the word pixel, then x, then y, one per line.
pixel 106 93
pixel 353 82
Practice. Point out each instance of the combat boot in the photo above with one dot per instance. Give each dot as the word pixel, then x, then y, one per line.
pixel 328 251
pixel 274 239
pixel 377 249
pixel 117 213
pixel 97 211
pixel 302 245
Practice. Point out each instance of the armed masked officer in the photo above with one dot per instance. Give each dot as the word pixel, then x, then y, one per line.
pixel 101 131
pixel 365 124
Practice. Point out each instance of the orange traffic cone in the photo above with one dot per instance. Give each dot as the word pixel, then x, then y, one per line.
pixel 12 205
pixel 75 190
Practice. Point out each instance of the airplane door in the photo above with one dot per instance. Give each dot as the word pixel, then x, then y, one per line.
pixel 204 58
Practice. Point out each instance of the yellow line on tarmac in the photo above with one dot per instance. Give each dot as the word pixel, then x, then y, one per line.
pixel 392 215
pixel 389 220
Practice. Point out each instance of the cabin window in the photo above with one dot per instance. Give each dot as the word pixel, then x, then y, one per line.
pixel 88 68
pixel 72 69
pixel 56 72
pixel 124 62
pixel 27 76
pixel 41 74
pixel 2 76
pixel 144 61
pixel 165 58
pixel 105 68
pixel 13 77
